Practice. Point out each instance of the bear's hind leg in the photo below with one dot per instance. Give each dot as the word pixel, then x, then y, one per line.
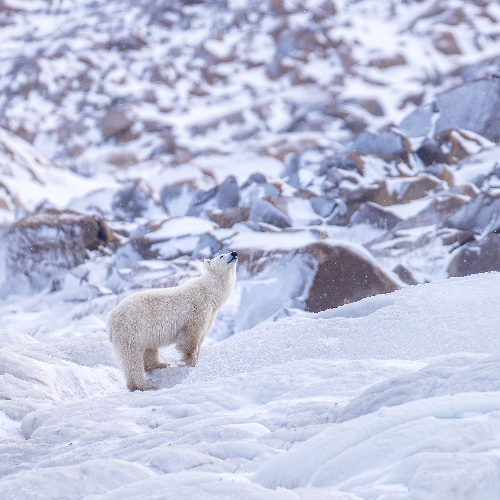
pixel 152 360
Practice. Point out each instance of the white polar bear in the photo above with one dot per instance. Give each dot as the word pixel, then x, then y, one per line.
pixel 180 315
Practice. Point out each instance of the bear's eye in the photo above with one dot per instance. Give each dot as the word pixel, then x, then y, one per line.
pixel 220 257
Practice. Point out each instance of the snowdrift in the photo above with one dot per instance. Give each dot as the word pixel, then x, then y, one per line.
pixel 395 396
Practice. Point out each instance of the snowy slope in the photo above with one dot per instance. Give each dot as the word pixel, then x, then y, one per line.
pixel 390 397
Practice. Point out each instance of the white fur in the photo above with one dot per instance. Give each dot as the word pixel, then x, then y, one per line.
pixel 180 315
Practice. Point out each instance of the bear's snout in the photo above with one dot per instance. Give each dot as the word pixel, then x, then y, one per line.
pixel 232 257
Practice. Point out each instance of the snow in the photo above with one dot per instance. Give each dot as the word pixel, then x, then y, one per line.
pixel 181 226
pixel 394 396
pixel 33 178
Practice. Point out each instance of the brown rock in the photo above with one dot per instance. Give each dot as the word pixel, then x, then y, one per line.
pixel 8 201
pixel 436 212
pixel 371 213
pixel 122 159
pixel 25 134
pixel 128 135
pixel 446 44
pixel 41 243
pixel 371 105
pixel 457 144
pixel 182 155
pixel 343 276
pixel 388 62
pixel 281 149
pixel 114 122
pixel 414 188
pixel 279 7
pixel 457 238
pixel 479 256
pixel 404 275
pixel 230 216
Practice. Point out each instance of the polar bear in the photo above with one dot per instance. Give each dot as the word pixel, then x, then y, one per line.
pixel 180 315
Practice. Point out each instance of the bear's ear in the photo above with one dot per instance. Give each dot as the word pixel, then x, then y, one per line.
pixel 207 263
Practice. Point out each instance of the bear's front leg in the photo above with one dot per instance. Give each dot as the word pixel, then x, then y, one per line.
pixel 152 360
pixel 189 349
pixel 132 361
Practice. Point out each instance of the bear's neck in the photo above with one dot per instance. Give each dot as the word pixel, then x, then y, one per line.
pixel 219 287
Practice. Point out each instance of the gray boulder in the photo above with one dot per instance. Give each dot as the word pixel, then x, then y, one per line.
pixel 133 200
pixel 373 214
pixel 386 144
pixel 322 206
pixel 199 200
pixel 227 193
pixel 473 106
pixel 481 215
pixel 263 211
pixel 177 198
pixel 114 122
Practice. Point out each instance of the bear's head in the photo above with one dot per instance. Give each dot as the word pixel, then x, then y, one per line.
pixel 222 264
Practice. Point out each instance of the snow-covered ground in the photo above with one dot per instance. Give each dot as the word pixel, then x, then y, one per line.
pixel 391 397
pixel 344 149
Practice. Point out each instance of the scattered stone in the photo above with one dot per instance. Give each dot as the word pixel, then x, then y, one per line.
pixel 473 106
pixel 440 209
pixel 387 144
pixel 199 200
pixel 479 216
pixel 343 161
pixel 133 200
pixel 430 152
pixel 114 122
pixel 373 214
pixel 122 159
pixel 446 44
pixel 371 105
pixel 376 193
pixel 128 135
pixel 458 144
pixel 388 62
pixel 263 211
pixel 177 198
pixel 479 256
pixel 414 188
pixel 42 245
pixel 457 238
pixel 257 177
pixel 182 155
pixel 230 216
pixel 404 275
pixel 343 276
pixel 256 191
pixel 323 207
pixel 227 193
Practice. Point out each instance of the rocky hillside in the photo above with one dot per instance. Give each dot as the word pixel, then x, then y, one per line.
pixel 343 149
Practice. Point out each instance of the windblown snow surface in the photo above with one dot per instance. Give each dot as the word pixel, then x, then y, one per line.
pixel 393 397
